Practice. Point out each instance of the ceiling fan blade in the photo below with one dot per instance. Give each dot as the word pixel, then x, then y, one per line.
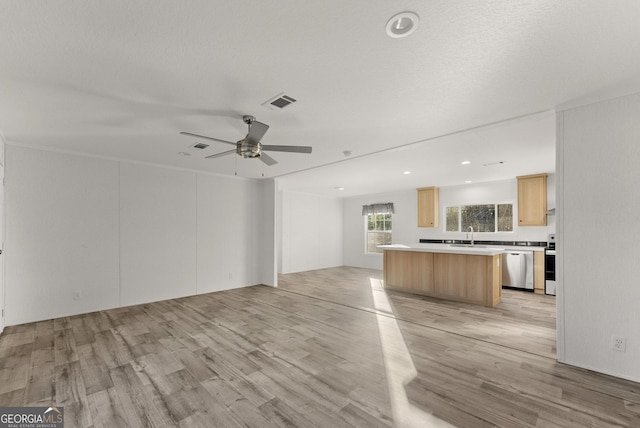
pixel 257 131
pixel 207 138
pixel 267 159
pixel 217 155
pixel 293 149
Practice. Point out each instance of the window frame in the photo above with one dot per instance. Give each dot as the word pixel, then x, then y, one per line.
pixel 367 231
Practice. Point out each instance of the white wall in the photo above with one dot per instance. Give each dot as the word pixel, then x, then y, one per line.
pixel 122 233
pixel 598 235
pixel 228 246
pixel 311 232
pixel 62 235
pixel 2 232
pixel 157 233
pixel 405 219
pixel 268 261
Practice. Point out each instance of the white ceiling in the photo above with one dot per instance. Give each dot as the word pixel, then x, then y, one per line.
pixel 122 78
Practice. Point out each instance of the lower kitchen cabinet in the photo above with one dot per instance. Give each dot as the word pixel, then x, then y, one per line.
pixel 538 272
pixel 411 271
pixel 460 277
pixel 468 278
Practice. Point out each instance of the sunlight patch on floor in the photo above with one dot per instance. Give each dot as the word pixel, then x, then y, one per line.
pixel 399 367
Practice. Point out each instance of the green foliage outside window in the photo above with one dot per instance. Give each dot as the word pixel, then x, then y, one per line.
pixel 453 223
pixel 483 218
pixel 378 231
pixel 505 218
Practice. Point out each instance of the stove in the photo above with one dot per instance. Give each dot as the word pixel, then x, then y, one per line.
pixel 550 265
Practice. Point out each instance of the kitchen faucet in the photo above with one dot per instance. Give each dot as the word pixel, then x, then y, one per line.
pixel 471 229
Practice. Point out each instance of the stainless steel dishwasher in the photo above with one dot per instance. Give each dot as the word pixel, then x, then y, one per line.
pixel 517 269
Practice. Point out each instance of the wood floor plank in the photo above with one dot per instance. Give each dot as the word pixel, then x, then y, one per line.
pixel 17 357
pixel 107 410
pixel 70 391
pixel 284 415
pixel 142 403
pixel 40 389
pixel 13 398
pixel 239 387
pixel 358 417
pixel 13 378
pixel 95 372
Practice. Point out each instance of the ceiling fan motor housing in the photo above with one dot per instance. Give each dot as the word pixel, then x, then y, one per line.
pixel 246 149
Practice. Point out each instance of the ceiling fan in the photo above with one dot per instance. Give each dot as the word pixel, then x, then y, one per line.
pixel 250 146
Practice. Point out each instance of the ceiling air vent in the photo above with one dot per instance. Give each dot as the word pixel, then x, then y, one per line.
pixel 200 146
pixel 279 102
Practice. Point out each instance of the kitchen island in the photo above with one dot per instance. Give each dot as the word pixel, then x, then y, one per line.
pixel 470 274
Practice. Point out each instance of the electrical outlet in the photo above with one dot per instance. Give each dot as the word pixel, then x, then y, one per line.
pixel 619 343
pixel 76 295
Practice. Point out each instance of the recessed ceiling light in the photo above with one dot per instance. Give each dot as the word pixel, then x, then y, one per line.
pixel 347 153
pixel 465 162
pixel 468 181
pixel 402 24
pixel 340 188
pixel 407 172
pixel 184 154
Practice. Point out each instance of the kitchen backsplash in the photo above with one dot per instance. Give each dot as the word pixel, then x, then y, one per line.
pixel 482 242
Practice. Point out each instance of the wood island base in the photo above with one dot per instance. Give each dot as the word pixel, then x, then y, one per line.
pixel 461 277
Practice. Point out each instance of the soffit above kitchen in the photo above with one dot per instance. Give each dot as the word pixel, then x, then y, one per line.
pixel 121 79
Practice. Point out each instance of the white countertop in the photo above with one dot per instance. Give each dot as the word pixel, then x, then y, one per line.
pixel 446 248
pixel 520 248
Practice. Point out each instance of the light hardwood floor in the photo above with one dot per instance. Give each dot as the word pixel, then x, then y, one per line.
pixel 329 348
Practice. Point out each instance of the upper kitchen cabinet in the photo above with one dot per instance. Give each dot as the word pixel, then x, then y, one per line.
pixel 532 200
pixel 428 206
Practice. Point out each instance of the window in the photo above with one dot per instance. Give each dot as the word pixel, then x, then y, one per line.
pixel 483 218
pixel 505 217
pixel 377 219
pixel 453 219
pixel 378 231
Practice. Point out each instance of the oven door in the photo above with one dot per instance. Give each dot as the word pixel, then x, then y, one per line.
pixel 550 272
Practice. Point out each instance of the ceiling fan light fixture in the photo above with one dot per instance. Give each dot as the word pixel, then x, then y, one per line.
pixel 248 150
pixel 402 24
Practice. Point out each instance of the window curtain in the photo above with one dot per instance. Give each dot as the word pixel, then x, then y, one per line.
pixel 378 208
